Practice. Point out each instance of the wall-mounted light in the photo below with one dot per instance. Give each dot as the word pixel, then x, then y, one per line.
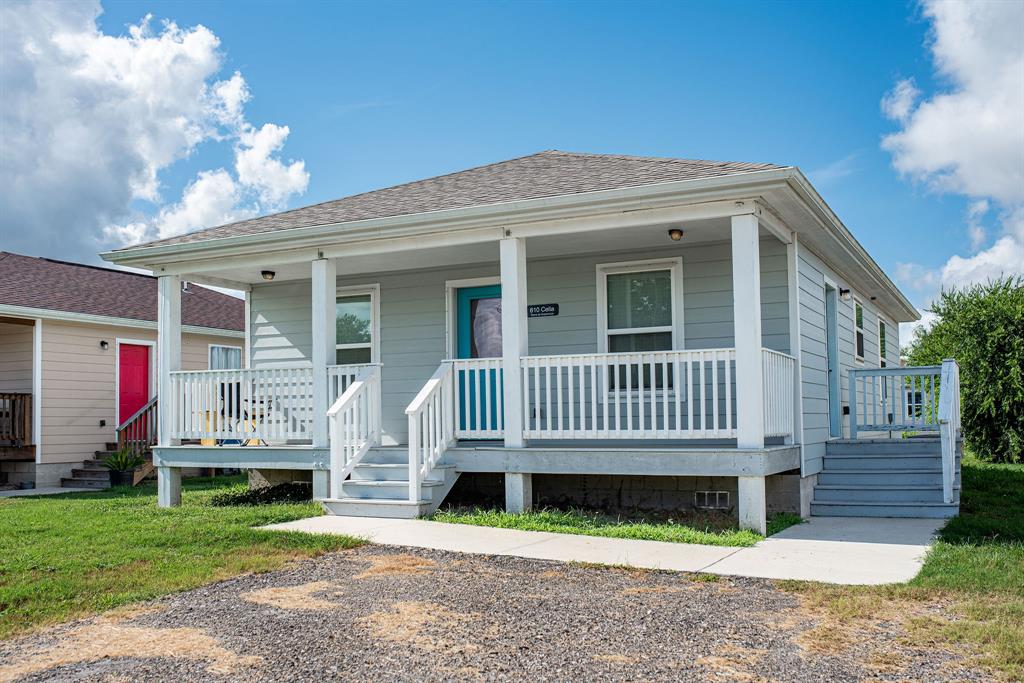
pixel 104 344
pixel 675 234
pixel 844 294
pixel 267 275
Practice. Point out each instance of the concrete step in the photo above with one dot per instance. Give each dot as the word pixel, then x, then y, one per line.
pixel 90 473
pixel 883 447
pixel 893 477
pixel 385 490
pixel 360 507
pixel 93 465
pixel 902 461
pixel 85 482
pixel 878 494
pixel 866 509
pixel 389 472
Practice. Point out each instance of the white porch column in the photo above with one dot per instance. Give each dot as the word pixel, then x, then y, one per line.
pixel 168 351
pixel 746 306
pixel 324 342
pixel 513 335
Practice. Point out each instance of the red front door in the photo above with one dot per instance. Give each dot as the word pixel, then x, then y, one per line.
pixel 133 380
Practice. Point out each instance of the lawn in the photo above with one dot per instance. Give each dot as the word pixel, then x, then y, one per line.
pixel 75 554
pixel 975 571
pixel 707 529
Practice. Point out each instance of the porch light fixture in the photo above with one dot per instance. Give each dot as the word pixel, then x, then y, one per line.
pixel 844 294
pixel 676 234
pixel 104 344
pixel 267 275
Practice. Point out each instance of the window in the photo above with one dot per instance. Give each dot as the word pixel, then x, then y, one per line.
pixel 638 308
pixel 858 329
pixel 225 357
pixel 356 320
pixel 881 343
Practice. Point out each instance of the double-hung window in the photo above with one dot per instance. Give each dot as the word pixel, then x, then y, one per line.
pixel 639 307
pixel 356 320
pixel 858 329
pixel 225 357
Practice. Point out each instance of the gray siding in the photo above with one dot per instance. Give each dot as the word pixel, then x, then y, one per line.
pixel 414 314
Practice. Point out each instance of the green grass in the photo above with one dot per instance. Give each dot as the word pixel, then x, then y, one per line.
pixel 705 529
pixel 75 554
pixel 976 568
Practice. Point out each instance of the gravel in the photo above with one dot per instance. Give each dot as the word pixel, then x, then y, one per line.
pixel 394 614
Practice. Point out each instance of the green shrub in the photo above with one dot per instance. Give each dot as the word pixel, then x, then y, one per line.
pixel 296 492
pixel 982 327
pixel 123 460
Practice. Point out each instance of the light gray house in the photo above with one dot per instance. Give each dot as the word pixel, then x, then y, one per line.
pixel 692 332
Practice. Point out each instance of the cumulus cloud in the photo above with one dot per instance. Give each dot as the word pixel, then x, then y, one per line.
pixel 968 138
pixel 91 121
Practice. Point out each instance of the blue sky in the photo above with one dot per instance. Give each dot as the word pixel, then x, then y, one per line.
pixel 380 93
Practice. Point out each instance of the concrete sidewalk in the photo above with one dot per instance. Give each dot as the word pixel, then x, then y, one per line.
pixel 43 491
pixel 829 549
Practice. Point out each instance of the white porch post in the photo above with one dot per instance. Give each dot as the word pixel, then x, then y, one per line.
pixel 513 335
pixel 323 354
pixel 168 360
pixel 746 302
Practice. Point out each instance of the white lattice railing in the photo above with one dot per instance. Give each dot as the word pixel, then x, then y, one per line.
pixel 778 371
pixel 650 395
pixel 431 427
pixel 354 424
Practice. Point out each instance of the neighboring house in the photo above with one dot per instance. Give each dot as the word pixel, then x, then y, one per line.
pixel 643 331
pixel 78 349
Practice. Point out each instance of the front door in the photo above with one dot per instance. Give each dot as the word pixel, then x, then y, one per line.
pixel 133 379
pixel 832 355
pixel 478 335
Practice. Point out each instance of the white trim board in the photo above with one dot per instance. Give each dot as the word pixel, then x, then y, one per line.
pixel 451 309
pixel 88 318
pixel 118 341
pixel 373 290
pixel 673 265
pixel 37 388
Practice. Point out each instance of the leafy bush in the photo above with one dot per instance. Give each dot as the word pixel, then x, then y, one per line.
pixel 982 327
pixel 123 461
pixel 295 492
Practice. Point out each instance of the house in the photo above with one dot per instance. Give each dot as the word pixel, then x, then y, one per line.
pixel 78 348
pixel 688 333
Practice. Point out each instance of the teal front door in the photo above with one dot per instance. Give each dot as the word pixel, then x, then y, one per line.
pixel 478 335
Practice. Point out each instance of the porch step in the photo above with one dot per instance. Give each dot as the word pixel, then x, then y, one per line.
pixel 887 461
pixel 388 455
pixel 381 489
pixel 866 509
pixel 86 482
pixel 389 472
pixel 361 507
pixel 895 477
pixel 386 490
pixel 878 494
pixel 928 446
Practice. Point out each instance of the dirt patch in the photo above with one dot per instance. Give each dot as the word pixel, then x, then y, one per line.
pixel 424 625
pixel 734 662
pixel 120 615
pixel 657 590
pixel 396 565
pixel 105 639
pixel 302 597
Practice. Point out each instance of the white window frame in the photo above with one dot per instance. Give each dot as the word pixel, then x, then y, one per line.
pixel 210 347
pixel 360 290
pixel 883 360
pixel 858 357
pixel 675 268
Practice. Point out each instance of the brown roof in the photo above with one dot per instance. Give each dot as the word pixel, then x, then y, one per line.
pixel 546 174
pixel 75 288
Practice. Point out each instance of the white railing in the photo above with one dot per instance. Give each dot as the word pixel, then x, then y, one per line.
pixel 949 424
pixel 650 395
pixel 339 377
pixel 354 424
pixel 479 397
pixel 894 399
pixel 263 404
pixel 431 427
pixel 778 371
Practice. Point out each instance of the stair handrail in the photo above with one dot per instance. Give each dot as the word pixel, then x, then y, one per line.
pixel 949 423
pixel 431 426
pixel 354 425
pixel 139 432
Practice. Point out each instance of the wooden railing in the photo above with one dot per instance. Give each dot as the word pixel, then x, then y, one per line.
pixel 340 377
pixel 949 424
pixel 138 432
pixel 778 370
pixel 354 424
pixel 431 427
pixel 894 399
pixel 650 395
pixel 16 419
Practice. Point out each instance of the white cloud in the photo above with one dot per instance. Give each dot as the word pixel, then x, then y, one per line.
pixel 968 139
pixel 92 120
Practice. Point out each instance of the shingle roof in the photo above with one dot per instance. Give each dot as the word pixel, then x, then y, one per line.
pixel 75 288
pixel 546 174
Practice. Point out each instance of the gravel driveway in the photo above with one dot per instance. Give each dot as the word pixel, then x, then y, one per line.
pixel 393 614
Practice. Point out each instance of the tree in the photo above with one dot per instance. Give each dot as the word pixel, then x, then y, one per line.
pixel 982 327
